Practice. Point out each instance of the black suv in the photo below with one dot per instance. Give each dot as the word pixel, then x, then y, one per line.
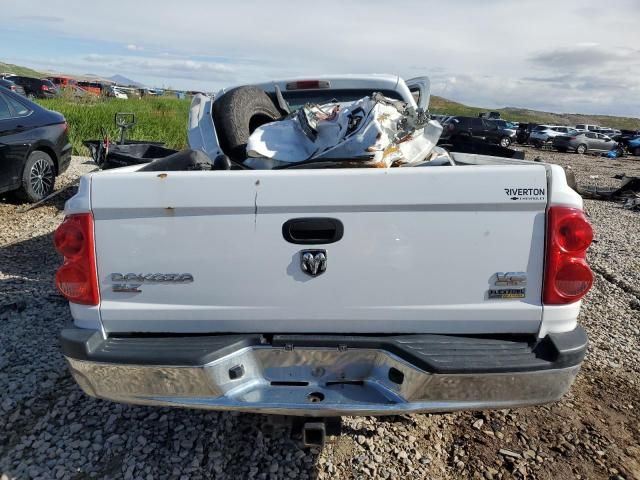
pixel 479 128
pixel 35 87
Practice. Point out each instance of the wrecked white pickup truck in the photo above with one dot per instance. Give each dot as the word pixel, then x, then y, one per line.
pixel 304 284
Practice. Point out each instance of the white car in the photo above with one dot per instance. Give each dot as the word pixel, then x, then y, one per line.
pixel 587 127
pixel 324 291
pixel 118 92
pixel 546 133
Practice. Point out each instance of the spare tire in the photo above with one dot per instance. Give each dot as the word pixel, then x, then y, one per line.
pixel 237 114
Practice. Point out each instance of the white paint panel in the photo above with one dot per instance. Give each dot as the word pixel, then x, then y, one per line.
pixel 419 250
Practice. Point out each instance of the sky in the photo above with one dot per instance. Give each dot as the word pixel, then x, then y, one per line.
pixel 554 55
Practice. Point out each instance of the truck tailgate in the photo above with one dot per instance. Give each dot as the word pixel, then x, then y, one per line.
pixel 419 253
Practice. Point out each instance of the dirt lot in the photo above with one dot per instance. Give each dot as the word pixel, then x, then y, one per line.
pixel 51 430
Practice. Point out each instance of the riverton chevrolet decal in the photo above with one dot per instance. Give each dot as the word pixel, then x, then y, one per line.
pixel 517 193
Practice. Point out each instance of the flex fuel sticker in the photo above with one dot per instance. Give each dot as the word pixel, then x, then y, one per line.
pixel 507 293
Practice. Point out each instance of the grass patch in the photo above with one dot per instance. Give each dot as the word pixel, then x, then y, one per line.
pixel 18 70
pixel 157 119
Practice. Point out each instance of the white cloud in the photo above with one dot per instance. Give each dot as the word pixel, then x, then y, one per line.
pixel 134 48
pixel 499 52
pixel 160 68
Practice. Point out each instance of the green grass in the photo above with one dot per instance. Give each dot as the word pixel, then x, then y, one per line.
pixel 18 70
pixel 157 119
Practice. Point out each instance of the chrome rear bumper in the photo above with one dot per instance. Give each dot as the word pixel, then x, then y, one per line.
pixel 319 381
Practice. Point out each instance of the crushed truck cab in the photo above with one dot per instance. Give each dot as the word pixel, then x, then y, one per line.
pixel 439 286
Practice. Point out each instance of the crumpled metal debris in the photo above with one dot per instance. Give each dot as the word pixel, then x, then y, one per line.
pixel 374 131
pixel 628 192
pixel 632 203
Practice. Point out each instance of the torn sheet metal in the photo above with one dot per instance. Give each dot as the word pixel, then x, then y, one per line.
pixel 375 130
pixel 628 192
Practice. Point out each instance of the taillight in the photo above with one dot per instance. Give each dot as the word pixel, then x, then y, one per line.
pixel 307 84
pixel 567 276
pixel 77 278
pixel 12 88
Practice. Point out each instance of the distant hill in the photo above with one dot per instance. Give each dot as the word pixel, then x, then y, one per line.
pixel 18 70
pixel 441 105
pixel 438 105
pixel 122 80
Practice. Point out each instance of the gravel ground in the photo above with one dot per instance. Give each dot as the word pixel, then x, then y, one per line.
pixel 51 430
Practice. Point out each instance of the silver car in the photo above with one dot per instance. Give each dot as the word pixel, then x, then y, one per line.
pixel 582 142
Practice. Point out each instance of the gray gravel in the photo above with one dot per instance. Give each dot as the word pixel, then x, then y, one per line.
pixel 51 430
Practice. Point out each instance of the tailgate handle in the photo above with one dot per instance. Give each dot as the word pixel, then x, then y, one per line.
pixel 312 231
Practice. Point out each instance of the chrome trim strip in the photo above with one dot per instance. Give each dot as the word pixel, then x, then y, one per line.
pixel 351 382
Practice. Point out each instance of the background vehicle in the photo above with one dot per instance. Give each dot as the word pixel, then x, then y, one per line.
pixel 609 132
pixel 93 88
pixel 586 126
pixel 35 87
pixel 545 133
pixel 117 92
pixel 633 145
pixel 153 92
pixel 581 142
pixel 630 140
pixel 9 85
pixel 482 128
pixel 62 82
pixel 440 118
pixel 524 131
pixel 34 147
pixel 507 127
pixel 310 290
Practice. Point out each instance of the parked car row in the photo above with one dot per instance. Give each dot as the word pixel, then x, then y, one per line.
pixel 569 139
pixel 32 87
pixel 581 139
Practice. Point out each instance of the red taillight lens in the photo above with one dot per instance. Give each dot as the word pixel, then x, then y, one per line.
pixel 77 277
pixel 574 233
pixel 69 238
pixel 73 283
pixel 44 88
pixel 12 88
pixel 574 278
pixel 567 276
